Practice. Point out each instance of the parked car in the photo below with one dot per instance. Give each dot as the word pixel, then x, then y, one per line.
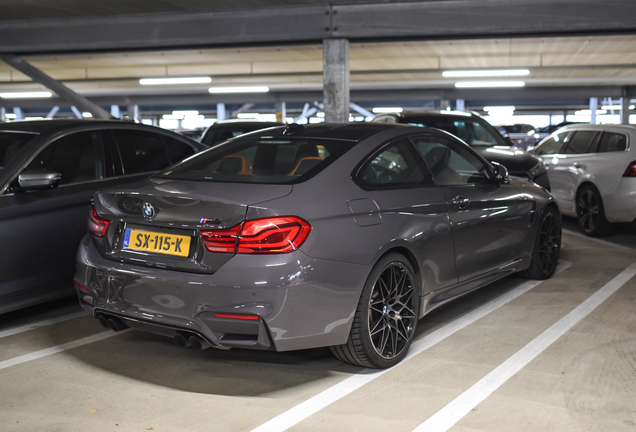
pixel 480 135
pixel 194 134
pixel 592 170
pixel 521 135
pixel 310 236
pixel 226 129
pixel 49 171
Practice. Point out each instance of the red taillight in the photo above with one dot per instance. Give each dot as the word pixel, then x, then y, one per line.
pixel 236 316
pixel 221 240
pixel 631 170
pixel 82 287
pixel 97 225
pixel 259 236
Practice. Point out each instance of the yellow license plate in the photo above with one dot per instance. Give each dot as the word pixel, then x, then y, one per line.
pixel 169 244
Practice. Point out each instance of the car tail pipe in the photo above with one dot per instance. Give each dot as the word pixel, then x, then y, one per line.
pixel 111 322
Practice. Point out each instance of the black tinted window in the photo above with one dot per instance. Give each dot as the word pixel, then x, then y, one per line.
pixel 471 131
pixel 177 150
pixel 261 160
pixel 77 157
pixel 140 151
pixel 395 166
pixel 10 143
pixel 612 142
pixel 580 142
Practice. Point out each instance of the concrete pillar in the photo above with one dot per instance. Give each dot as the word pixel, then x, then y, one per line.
pixel 444 105
pixel 593 108
pixel 281 111
pixel 625 110
pixel 335 76
pixel 133 111
pixel 460 105
pixel 19 114
pixel 115 111
pixel 3 112
pixel 220 111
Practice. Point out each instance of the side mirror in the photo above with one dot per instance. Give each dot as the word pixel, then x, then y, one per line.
pixel 501 173
pixel 39 178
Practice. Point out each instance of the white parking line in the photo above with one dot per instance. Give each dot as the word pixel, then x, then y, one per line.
pixel 603 242
pixel 445 418
pixel 43 323
pixel 56 349
pixel 314 404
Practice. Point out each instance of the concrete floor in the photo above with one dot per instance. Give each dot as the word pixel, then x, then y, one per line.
pixel 131 381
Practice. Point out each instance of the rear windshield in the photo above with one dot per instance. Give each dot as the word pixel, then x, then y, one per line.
pixel 472 132
pixel 271 160
pixel 11 143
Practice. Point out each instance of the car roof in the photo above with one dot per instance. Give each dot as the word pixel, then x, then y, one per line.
pixel 54 125
pixel 606 127
pixel 431 113
pixel 344 131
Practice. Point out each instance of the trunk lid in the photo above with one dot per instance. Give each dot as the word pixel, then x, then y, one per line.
pixel 155 221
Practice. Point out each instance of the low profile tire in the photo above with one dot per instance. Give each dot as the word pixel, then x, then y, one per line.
pixel 386 316
pixel 547 246
pixel 590 212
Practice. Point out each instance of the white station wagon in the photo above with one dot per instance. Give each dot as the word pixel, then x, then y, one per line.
pixel 592 172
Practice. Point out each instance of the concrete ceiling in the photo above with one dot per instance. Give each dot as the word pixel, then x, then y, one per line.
pixel 564 67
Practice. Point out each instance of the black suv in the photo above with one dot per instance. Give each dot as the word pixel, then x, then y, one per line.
pixel 480 135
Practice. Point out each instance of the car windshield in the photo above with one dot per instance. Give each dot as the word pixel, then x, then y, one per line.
pixel 474 133
pixel 271 160
pixel 11 143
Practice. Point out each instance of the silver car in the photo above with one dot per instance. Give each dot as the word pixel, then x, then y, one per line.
pixel 592 170
pixel 309 236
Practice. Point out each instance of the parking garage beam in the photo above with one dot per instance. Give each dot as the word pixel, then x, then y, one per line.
pixel 335 75
pixel 55 86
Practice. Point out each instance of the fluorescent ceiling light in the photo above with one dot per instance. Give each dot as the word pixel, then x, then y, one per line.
pixel 611 107
pixel 20 95
pixel 499 108
pixel 171 117
pixel 184 80
pixel 387 110
pixel 247 89
pixel 477 84
pixel 485 73
pixel 589 112
pixel 86 114
pixel 10 116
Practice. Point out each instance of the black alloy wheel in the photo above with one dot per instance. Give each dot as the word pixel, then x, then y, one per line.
pixel 545 255
pixel 386 316
pixel 590 213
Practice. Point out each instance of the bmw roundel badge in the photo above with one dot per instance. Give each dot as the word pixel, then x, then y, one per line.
pixel 148 210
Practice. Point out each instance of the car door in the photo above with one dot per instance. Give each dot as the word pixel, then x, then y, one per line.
pixel 489 219
pixel 41 229
pixel 568 166
pixel 404 202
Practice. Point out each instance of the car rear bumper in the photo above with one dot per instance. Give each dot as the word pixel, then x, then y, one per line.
pixel 620 206
pixel 298 302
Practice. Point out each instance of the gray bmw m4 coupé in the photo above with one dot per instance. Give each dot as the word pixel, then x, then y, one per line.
pixel 339 235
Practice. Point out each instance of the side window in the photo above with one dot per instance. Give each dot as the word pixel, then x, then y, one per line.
pixel 394 166
pixel 177 150
pixel 580 142
pixel 472 133
pixel 78 157
pixel 140 151
pixel 451 163
pixel 553 144
pixel 611 142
